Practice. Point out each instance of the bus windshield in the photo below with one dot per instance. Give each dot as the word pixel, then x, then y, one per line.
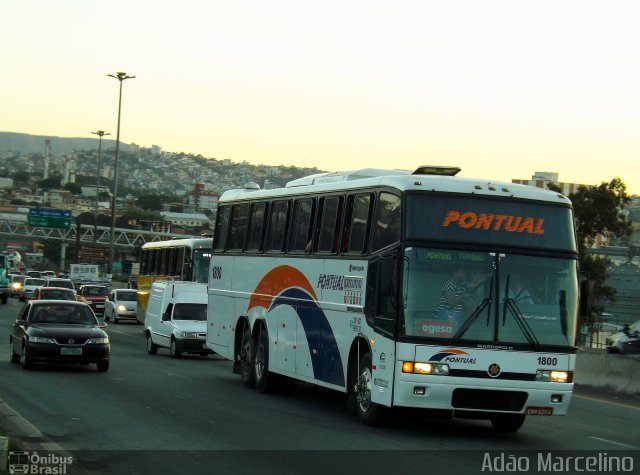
pixel 489 298
pixel 201 259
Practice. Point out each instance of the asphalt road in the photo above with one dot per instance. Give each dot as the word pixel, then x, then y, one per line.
pixel 156 414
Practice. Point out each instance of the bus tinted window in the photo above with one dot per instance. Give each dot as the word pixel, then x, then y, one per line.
pixel 301 228
pixel 358 219
pixel 222 227
pixel 452 218
pixel 256 224
pixel 277 226
pixel 238 228
pixel 387 223
pixel 330 218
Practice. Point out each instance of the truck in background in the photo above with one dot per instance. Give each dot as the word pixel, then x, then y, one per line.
pixel 86 274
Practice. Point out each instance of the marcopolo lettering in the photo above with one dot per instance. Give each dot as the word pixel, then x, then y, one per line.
pixel 494 222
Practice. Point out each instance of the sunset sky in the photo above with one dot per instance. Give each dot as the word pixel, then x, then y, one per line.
pixel 500 88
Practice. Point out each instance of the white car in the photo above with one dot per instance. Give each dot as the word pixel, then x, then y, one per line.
pixel 121 304
pixel 30 286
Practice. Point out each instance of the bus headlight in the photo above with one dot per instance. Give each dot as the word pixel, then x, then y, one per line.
pixel 554 376
pixel 425 368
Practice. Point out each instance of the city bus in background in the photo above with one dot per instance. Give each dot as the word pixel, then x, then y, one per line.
pixel 178 259
pixel 344 279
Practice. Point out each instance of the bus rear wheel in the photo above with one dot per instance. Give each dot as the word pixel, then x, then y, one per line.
pixel 507 422
pixel 246 357
pixel 369 412
pixel 266 381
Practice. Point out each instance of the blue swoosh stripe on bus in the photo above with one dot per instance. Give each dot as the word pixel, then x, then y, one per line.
pixel 325 355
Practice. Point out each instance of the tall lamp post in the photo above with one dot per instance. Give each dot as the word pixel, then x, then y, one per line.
pixel 121 77
pixel 100 134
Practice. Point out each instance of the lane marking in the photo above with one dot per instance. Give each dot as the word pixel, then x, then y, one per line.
pixel 605 401
pixel 614 442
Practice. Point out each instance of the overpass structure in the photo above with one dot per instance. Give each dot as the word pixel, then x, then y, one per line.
pixel 124 239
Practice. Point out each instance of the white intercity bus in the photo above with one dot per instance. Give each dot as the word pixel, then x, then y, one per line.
pixel 419 290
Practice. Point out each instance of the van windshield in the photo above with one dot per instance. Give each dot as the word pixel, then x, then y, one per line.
pixel 190 311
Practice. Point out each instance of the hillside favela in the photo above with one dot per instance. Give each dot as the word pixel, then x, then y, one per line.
pixel 167 194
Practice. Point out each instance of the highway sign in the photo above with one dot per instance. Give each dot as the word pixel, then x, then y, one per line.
pixel 49 222
pixel 93 254
pixel 51 213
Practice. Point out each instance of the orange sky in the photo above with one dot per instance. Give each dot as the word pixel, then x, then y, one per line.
pixel 499 88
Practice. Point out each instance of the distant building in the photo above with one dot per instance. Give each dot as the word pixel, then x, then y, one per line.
pixel 542 180
pixel 6 183
pixel 187 220
pixel 200 198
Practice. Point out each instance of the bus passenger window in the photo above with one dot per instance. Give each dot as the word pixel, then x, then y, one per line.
pixel 256 224
pixel 330 225
pixel 356 234
pixel 387 221
pixel 301 227
pixel 277 226
pixel 222 227
pixel 238 228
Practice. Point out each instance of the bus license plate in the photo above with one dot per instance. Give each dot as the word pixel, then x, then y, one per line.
pixel 71 351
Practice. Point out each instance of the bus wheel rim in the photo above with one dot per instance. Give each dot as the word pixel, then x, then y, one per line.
pixel 364 390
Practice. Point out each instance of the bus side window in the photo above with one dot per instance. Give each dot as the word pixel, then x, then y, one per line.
pixel 387 221
pixel 256 226
pixel 179 267
pixel 301 226
pixel 222 228
pixel 277 226
pixel 357 224
pixel 238 226
pixel 329 231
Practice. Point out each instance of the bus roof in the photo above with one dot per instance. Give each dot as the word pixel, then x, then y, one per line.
pixel 401 180
pixel 193 243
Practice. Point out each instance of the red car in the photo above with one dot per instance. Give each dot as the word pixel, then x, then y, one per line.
pixel 94 295
pixel 54 293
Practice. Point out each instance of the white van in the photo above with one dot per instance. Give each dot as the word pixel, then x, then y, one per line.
pixel 176 318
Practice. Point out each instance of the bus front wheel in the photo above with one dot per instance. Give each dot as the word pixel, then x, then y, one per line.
pixel 369 412
pixel 507 422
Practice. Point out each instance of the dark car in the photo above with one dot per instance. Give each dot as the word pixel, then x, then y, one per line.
pixel 60 332
pixel 94 295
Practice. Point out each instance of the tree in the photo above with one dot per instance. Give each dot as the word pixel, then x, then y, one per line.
pixel 598 210
pixel 21 178
pixel 50 183
pixel 150 202
pixel 74 188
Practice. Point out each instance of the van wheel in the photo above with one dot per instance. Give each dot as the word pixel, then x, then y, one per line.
pixel 152 348
pixel 369 412
pixel 173 349
pixel 246 356
pixel 266 381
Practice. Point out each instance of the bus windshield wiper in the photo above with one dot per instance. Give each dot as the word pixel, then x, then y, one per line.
pixel 510 304
pixel 472 318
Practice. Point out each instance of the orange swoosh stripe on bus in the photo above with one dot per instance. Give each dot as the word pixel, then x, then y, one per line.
pixel 277 280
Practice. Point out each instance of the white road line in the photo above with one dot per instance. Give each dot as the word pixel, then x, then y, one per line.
pixel 615 443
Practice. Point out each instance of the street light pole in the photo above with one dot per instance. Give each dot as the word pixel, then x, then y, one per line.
pixel 120 76
pixel 100 134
